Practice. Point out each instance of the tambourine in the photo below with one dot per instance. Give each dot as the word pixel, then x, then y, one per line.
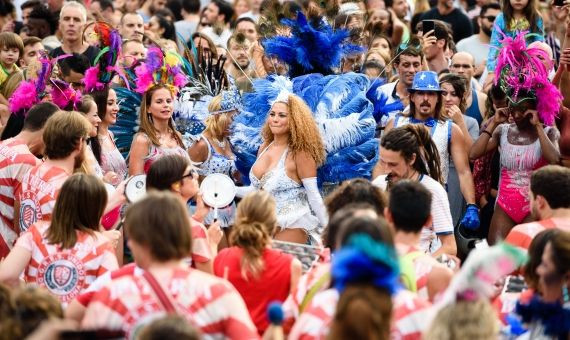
pixel 135 189
pixel 218 191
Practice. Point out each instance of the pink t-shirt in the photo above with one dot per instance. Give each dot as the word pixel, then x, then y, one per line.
pixel 65 273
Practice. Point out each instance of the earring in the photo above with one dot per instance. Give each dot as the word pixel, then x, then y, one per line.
pixel 565 295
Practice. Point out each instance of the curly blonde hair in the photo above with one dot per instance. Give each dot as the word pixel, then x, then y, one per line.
pixel 304 135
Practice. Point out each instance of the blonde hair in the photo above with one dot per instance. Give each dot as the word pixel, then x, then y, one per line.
pixel 254 226
pixel 469 320
pixel 146 125
pixel 304 135
pixel 216 123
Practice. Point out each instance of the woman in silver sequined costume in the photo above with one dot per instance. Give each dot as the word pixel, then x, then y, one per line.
pixel 286 167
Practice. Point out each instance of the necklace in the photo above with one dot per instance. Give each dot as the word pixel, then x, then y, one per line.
pixel 221 144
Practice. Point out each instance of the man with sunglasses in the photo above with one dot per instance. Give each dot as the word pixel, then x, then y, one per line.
pixel 478 44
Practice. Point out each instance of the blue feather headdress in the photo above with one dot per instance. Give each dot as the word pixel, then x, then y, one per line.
pixel 310 49
pixel 363 259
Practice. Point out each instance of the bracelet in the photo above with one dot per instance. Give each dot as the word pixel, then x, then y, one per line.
pixel 487 132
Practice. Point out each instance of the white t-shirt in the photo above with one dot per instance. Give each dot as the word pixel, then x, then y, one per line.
pixel 441 215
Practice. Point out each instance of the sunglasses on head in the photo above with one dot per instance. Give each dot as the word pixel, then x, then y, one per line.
pixel 413 45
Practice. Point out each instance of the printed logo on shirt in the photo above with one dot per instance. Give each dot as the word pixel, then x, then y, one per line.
pixel 29 210
pixel 62 275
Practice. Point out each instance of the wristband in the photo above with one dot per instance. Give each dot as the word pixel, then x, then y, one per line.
pixel 487 132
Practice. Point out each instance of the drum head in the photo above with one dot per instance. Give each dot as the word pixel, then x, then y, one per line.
pixel 135 188
pixel 218 190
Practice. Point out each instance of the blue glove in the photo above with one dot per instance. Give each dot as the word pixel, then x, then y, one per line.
pixel 471 218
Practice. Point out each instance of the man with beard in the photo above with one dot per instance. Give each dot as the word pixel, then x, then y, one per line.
pixel 408 61
pixel 426 108
pixel 65 137
pixel 17 156
pixel 409 153
pixel 445 11
pixel 478 44
pixel 72 19
pixel 150 7
pixel 215 22
pixel 41 24
pixel 549 202
pixel 239 67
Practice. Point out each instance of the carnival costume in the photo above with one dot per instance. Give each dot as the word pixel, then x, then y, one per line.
pixel 341 111
pixel 521 68
pixel 99 77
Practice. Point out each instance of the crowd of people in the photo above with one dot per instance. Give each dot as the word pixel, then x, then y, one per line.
pixel 400 169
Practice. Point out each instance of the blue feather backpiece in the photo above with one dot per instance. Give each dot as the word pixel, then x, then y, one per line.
pixel 379 100
pixel 311 48
pixel 127 119
pixel 341 110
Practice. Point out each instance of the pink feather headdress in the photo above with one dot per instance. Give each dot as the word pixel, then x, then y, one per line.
pixel 160 68
pixel 521 68
pixel 62 94
pixel 32 91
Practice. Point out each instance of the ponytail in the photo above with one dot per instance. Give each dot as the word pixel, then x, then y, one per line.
pixel 362 310
pixel 253 229
pixel 252 239
pixel 428 150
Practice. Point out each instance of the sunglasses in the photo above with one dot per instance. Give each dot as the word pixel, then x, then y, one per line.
pixel 192 174
pixel 490 18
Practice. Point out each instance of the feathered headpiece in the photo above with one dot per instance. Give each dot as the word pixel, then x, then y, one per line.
pixel 32 91
pixel 104 65
pixel 311 48
pixel 160 68
pixel 231 100
pixel 521 68
pixel 363 259
pixel 62 94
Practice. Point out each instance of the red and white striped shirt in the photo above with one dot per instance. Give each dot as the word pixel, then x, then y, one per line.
pixel 211 304
pixel 15 161
pixel 423 265
pixel 37 193
pixel 523 234
pixel 411 316
pixel 66 272
pixel 201 251
pixel 316 279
